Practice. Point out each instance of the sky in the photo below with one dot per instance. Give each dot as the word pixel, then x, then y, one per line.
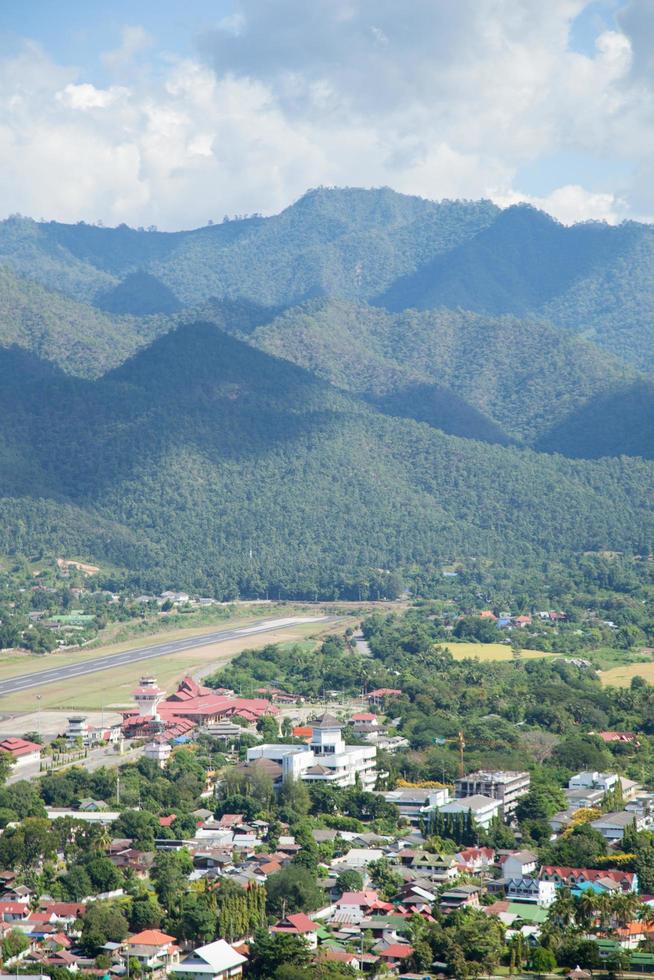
pixel 176 112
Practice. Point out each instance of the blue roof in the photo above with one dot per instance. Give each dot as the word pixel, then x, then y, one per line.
pixel 181 739
pixel 588 886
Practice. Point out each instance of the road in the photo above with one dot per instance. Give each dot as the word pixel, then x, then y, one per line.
pixel 53 674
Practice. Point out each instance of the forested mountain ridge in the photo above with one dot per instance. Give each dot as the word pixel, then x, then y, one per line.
pixel 523 376
pixel 592 278
pixel 207 463
pixel 343 242
pixel 245 414
pixel 78 337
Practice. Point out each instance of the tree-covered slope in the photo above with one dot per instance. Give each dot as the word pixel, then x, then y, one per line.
pixel 520 375
pixel 592 278
pixel 139 293
pixel 342 242
pixel 614 424
pixel 76 336
pixel 209 464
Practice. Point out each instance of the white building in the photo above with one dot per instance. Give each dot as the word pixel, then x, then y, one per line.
pixel 158 752
pixel 22 752
pixel 533 890
pixel 416 804
pixel 483 809
pixel 519 864
pixel 605 781
pixel 326 759
pixel 216 961
pixel 506 787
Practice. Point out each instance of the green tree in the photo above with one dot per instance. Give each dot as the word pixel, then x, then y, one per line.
pixel 542 960
pixel 102 922
pixel 293 889
pixel 270 951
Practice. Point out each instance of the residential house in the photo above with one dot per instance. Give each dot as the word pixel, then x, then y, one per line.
pixel 298 924
pixel 527 889
pixel 154 950
pixel 472 860
pixel 613 825
pixel 215 961
pixel 379 695
pixel 395 955
pixel 518 864
pixel 627 881
pixel 459 896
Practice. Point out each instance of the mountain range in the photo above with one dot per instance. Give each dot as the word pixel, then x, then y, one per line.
pixel 289 404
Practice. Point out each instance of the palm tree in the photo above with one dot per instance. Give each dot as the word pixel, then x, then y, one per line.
pixel 562 909
pixel 587 909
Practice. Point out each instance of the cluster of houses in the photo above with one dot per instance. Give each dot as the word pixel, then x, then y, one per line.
pixel 359 928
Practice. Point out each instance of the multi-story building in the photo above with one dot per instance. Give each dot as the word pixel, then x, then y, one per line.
pixel 484 809
pixel 416 804
pixel 326 757
pixel 505 787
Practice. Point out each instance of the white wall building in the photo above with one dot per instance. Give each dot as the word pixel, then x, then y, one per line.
pixel 325 759
pixel 483 808
pixel 594 780
pixel 415 804
pixel 505 786
pixel 158 752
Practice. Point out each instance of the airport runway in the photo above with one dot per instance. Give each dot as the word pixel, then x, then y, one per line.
pixel 53 674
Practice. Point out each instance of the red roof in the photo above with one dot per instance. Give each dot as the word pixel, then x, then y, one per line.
pixel 590 874
pixel 337 956
pixel 150 937
pixel 167 821
pixel 64 910
pixel 397 951
pixel 364 898
pixel 18 746
pixel 298 922
pixel 303 731
pixel 13 908
pixel 231 819
pixel 270 867
pixel 382 692
pixel 364 716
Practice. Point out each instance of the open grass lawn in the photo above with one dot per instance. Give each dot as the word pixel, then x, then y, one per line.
pixel 114 686
pixel 491 651
pixel 621 676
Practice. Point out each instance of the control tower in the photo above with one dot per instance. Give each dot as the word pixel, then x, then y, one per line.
pixel 148 695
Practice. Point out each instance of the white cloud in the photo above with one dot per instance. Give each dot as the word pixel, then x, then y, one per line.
pixel 134 41
pixel 436 99
pixel 87 96
pixel 569 204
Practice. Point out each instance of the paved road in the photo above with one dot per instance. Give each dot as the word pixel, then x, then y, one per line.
pixel 54 674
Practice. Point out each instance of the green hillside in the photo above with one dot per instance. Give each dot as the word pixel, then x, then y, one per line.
pixel 210 464
pixel 74 335
pixel 591 278
pixel 343 242
pixel 522 376
pixel 614 424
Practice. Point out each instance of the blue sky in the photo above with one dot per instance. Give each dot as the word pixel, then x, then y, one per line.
pixel 173 112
